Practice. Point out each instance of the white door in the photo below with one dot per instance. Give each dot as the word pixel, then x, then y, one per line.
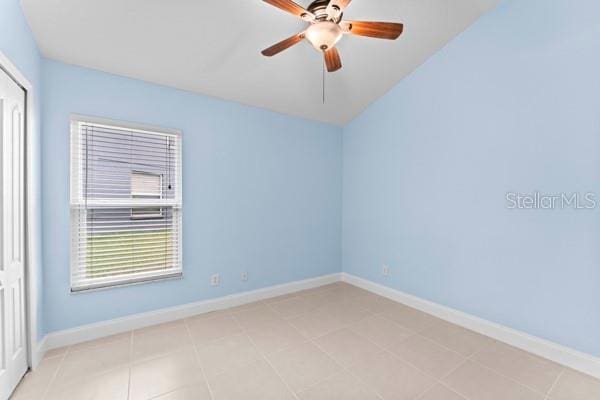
pixel 13 349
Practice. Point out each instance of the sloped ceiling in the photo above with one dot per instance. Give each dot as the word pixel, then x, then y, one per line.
pixel 213 47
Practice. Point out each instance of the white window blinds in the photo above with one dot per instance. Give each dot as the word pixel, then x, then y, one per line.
pixel 125 204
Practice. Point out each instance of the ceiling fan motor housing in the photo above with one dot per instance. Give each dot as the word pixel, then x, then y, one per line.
pixel 324 32
pixel 319 9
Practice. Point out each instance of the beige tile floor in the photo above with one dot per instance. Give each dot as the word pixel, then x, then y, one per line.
pixel 335 342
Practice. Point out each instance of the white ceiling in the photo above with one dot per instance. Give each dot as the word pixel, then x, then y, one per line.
pixel 213 47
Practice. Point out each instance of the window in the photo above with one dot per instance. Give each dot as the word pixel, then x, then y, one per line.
pixel 125 203
pixel 149 186
pixel 146 185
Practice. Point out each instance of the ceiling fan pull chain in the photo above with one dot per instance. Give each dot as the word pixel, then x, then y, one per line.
pixel 323 84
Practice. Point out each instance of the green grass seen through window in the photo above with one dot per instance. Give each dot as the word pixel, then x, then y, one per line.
pixel 111 254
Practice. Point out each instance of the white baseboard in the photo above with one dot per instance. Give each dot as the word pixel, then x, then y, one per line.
pixel 37 354
pixel 110 327
pixel 574 359
pixel 560 354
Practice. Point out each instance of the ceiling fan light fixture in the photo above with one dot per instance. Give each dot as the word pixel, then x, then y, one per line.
pixel 323 35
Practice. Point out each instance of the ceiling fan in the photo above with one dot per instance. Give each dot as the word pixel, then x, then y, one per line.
pixel 326 28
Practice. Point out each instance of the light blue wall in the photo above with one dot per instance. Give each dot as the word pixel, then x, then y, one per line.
pixel 261 193
pixel 512 104
pixel 17 43
pixel 16 40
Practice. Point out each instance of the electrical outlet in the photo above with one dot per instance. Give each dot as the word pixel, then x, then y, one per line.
pixel 385 270
pixel 215 279
pixel 244 276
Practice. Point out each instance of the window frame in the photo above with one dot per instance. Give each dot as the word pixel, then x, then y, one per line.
pixel 77 199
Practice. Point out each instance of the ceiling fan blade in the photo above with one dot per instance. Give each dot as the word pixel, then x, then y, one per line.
pixel 379 30
pixel 332 59
pixel 292 8
pixel 284 44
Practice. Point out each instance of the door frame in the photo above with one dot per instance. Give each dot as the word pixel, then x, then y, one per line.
pixel 32 212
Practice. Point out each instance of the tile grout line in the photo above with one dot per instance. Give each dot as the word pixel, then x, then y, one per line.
pixel 311 341
pixel 129 366
pixel 387 351
pixel 363 382
pixel 184 320
pixel 453 370
pixel 562 372
pixel 287 386
pixel 472 358
pixel 469 358
pixel 47 389
pixel 265 359
pixel 443 346
pixel 444 385
pixel 169 353
pixel 439 381
pixel 343 368
pixel 382 349
pixel 244 332
pixel 187 328
pixel 536 391
pixel 405 362
pixel 69 351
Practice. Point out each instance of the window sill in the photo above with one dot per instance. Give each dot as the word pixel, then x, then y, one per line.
pixel 126 282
